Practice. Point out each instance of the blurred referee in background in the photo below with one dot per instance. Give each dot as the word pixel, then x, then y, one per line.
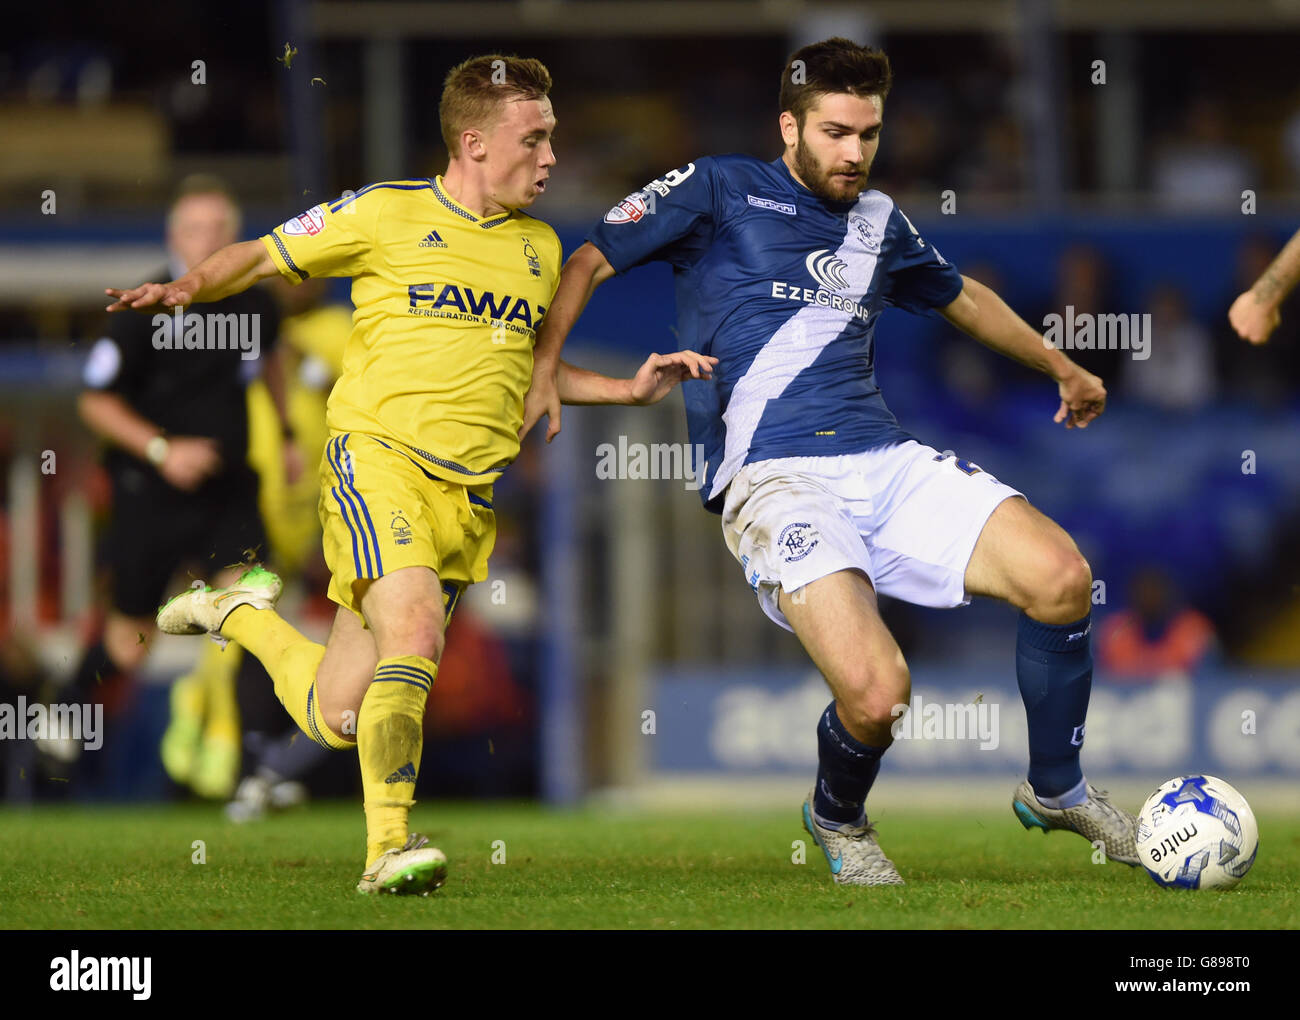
pixel 176 424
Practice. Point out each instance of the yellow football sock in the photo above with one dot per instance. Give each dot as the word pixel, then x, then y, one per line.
pixel 217 668
pixel 390 737
pixel 180 740
pixel 187 698
pixel 292 661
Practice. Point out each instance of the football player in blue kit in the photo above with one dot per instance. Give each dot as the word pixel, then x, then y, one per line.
pixel 781 271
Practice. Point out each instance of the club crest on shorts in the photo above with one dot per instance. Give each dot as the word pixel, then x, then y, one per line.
pixel 401 528
pixel 797 541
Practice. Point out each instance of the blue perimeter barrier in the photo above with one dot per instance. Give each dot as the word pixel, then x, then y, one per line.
pixel 972 722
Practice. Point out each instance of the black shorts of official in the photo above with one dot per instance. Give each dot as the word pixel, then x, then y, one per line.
pixel 157 530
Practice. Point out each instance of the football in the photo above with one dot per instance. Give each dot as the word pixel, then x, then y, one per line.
pixel 1197 832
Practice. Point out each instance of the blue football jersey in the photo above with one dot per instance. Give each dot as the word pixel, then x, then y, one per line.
pixel 784 289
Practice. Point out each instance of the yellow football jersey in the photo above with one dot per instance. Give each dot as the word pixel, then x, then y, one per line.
pixel 447 309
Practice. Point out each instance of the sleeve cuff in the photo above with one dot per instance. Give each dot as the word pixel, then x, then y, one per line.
pixel 283 260
pixel 945 302
pixel 617 264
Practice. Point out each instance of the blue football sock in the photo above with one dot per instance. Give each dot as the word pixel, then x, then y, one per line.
pixel 1054 670
pixel 845 771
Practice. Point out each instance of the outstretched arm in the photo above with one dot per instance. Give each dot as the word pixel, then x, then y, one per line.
pixel 234 268
pixel 586 269
pixel 653 381
pixel 979 312
pixel 1255 314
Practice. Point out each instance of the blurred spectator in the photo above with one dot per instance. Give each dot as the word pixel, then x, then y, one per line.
pixel 970 372
pixel 480 738
pixel 1156 635
pixel 1179 373
pixel 996 164
pixel 1084 283
pixel 911 156
pixel 1200 170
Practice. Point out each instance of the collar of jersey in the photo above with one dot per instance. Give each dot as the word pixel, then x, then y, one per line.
pixel 806 192
pixel 487 223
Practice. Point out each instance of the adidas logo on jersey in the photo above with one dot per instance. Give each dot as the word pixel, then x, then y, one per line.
pixel 406 774
pixel 433 241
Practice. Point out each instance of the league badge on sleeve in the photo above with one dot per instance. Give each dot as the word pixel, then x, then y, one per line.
pixel 629 210
pixel 312 222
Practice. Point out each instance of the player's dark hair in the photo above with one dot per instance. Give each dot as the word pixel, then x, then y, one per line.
pixel 474 91
pixel 832 66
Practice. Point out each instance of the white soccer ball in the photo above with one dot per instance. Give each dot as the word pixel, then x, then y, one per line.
pixel 1197 832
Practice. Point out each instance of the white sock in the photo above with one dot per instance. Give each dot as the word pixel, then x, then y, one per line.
pixel 826 823
pixel 1072 797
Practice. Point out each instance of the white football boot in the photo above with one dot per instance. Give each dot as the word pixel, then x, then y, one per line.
pixel 202 610
pixel 251 800
pixel 1097 820
pixel 258 796
pixel 851 850
pixel 416 869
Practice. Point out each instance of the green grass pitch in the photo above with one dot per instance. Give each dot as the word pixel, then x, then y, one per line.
pixel 133 867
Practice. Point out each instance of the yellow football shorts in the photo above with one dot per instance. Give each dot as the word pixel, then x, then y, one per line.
pixel 381 511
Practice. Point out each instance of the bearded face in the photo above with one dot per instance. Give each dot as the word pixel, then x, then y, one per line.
pixel 832 151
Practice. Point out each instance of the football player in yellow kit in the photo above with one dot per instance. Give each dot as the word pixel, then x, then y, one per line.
pixel 450 281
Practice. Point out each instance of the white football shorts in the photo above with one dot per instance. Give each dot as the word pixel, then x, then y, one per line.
pixel 905 515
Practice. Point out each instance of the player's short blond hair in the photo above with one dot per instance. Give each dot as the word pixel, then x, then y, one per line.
pixel 475 91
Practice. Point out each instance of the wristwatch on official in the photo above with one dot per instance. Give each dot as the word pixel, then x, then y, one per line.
pixel 155 450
